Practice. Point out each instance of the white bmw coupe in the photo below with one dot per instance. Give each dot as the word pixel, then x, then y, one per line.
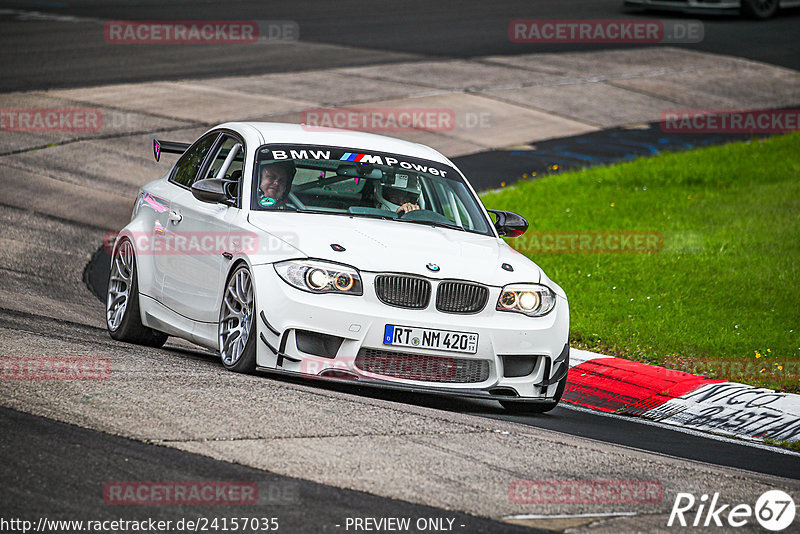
pixel 338 255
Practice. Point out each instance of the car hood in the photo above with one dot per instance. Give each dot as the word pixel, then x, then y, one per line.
pixel 377 245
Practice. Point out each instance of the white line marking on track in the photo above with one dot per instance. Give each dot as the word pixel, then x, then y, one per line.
pixel 20 14
pixel 567 516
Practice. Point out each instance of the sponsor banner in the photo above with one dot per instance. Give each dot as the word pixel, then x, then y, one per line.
pixel 734 409
pixel 585 491
pixel 194 32
pixel 628 31
pixel 55 368
pixel 770 121
pixel 589 242
pixel 41 120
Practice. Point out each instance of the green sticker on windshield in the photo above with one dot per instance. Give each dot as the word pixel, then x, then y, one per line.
pixel 269 201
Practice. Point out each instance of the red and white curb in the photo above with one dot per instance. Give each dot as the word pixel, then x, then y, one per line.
pixel 624 387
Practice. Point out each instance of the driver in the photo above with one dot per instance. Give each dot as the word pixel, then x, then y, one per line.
pixel 274 184
pixel 400 197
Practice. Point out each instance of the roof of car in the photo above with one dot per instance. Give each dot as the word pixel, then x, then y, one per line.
pixel 277 132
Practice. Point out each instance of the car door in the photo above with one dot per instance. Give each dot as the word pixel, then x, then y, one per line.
pixel 182 176
pixel 200 235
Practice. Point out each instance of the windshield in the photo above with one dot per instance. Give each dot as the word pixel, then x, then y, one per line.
pixel 333 180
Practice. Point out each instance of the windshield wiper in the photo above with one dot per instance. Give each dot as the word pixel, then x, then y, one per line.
pixel 372 216
pixel 376 216
pixel 417 221
pixel 432 223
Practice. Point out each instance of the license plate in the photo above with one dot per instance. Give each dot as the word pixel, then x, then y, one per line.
pixel 428 338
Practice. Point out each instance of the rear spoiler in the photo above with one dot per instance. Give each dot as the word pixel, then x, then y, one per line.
pixel 172 147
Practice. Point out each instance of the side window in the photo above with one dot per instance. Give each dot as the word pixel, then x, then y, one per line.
pixel 187 167
pixel 224 150
pixel 233 174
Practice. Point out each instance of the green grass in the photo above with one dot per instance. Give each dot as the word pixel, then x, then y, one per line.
pixel 722 291
pixel 786 444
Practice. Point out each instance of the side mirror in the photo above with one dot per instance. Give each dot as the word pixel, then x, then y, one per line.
pixel 210 190
pixel 509 224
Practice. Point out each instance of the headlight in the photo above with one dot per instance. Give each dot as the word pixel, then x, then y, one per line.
pixel 320 276
pixel 534 300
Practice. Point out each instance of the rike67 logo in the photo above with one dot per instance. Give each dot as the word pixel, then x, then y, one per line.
pixel 774 510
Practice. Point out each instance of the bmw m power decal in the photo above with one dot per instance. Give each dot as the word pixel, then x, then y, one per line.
pixel 280 152
pixel 349 156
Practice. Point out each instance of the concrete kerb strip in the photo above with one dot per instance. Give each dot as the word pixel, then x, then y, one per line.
pixel 624 387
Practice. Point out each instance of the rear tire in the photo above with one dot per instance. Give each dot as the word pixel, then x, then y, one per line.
pixel 759 9
pixel 531 407
pixel 238 330
pixel 123 314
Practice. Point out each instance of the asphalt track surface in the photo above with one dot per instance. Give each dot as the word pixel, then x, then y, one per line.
pixel 498 168
pixel 41 52
pixel 627 432
pixel 72 465
pixel 39 449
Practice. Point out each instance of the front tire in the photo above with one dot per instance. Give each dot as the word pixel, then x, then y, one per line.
pixel 237 331
pixel 123 314
pixel 760 9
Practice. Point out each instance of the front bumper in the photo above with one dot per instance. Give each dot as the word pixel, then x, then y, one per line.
pixel 359 322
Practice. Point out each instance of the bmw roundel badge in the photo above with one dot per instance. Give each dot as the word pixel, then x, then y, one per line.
pixel 433 267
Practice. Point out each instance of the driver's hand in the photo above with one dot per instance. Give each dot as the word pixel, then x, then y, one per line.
pixel 405 208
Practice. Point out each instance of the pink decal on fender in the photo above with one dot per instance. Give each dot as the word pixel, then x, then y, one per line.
pixel 154 203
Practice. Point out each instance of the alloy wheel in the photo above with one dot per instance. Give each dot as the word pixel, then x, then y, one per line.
pixel 119 285
pixel 236 316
